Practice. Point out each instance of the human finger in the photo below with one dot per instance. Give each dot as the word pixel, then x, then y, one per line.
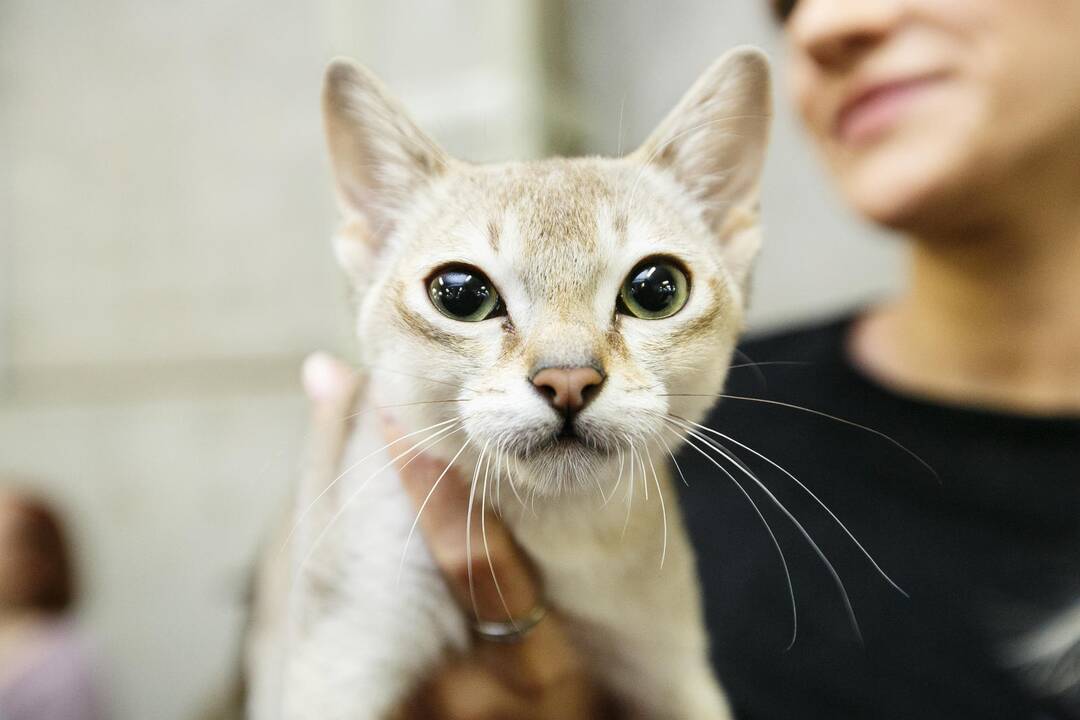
pixel 331 387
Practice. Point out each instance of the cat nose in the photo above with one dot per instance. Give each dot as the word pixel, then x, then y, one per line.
pixel 568 389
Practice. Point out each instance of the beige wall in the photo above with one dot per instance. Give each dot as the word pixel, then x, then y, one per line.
pixel 165 210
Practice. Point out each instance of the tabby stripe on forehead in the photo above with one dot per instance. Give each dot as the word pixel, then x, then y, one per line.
pixel 493 235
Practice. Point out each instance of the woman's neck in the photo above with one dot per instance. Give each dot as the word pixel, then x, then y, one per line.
pixel 990 319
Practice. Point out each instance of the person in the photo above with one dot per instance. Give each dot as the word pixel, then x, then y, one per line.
pixel 46 667
pixel 956 124
pixel 940 428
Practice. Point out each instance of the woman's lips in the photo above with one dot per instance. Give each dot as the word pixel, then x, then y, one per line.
pixel 870 112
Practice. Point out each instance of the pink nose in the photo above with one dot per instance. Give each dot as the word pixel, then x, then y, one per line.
pixel 568 389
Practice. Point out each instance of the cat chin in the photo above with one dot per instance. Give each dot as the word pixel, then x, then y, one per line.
pixel 562 464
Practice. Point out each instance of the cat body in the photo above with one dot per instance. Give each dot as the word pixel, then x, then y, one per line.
pixel 473 284
pixel 372 626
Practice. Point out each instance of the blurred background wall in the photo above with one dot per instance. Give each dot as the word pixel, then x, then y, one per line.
pixel 165 211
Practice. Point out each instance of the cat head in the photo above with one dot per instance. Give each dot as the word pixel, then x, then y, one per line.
pixel 551 315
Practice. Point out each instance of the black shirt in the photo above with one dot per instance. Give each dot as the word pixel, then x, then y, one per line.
pixel 988 549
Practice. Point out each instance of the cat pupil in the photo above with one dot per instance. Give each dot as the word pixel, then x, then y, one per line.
pixel 654 287
pixel 460 293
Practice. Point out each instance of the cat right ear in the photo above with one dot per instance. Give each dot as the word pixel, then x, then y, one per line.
pixel 379 156
pixel 713 144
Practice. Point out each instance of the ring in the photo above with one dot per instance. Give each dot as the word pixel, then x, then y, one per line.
pixel 512 630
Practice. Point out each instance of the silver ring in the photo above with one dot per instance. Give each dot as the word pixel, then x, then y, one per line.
pixel 512 630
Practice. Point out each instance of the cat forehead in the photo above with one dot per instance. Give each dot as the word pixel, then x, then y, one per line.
pixel 548 202
pixel 546 212
pixel 556 228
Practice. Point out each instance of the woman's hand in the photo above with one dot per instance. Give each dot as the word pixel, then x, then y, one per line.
pixel 537 677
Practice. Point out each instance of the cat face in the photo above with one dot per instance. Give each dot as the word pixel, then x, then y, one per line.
pixel 551 314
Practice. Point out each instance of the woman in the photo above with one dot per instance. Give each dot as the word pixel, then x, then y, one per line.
pixel 957 124
pixel 45 667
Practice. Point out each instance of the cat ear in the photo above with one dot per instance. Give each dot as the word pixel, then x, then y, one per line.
pixel 714 143
pixel 379 156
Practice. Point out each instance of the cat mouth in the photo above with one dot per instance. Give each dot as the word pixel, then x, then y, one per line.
pixel 563 440
pixel 569 440
pixel 568 433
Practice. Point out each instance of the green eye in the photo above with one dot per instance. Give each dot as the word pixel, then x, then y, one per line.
pixel 655 289
pixel 464 293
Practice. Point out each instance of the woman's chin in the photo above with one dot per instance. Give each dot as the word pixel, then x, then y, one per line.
pixel 907 198
pixel 915 182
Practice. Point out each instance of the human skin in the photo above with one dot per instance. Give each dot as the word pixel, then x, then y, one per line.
pixel 970 148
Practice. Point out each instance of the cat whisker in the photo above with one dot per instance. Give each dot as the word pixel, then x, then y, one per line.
pixel 511 480
pixel 768 528
pixel 815 412
pixel 704 439
pixel 395 371
pixel 306 438
pixel 599 489
pixel 754 366
pixel 532 500
pixel 671 455
pixel 496 495
pixel 644 477
pixel 630 489
pixel 427 443
pixel 809 492
pixel 468 531
pixel 663 508
pixel 300 518
pixel 420 510
pixel 487 473
pixel 764 363
pixel 374 408
pixel 487 552
pixel 618 480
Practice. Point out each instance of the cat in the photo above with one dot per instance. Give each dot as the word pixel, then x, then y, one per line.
pixel 565 319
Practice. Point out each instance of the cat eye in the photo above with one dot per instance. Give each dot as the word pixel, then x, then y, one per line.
pixel 656 288
pixel 462 292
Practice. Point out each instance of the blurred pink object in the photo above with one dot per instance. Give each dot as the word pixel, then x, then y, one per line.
pixel 53 679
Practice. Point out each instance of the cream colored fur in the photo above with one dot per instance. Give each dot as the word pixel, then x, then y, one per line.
pixel 557 238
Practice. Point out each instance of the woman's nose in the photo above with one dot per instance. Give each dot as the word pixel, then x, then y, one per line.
pixel 837 33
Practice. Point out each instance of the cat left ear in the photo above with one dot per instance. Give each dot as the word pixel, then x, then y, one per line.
pixel 379 156
pixel 714 143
